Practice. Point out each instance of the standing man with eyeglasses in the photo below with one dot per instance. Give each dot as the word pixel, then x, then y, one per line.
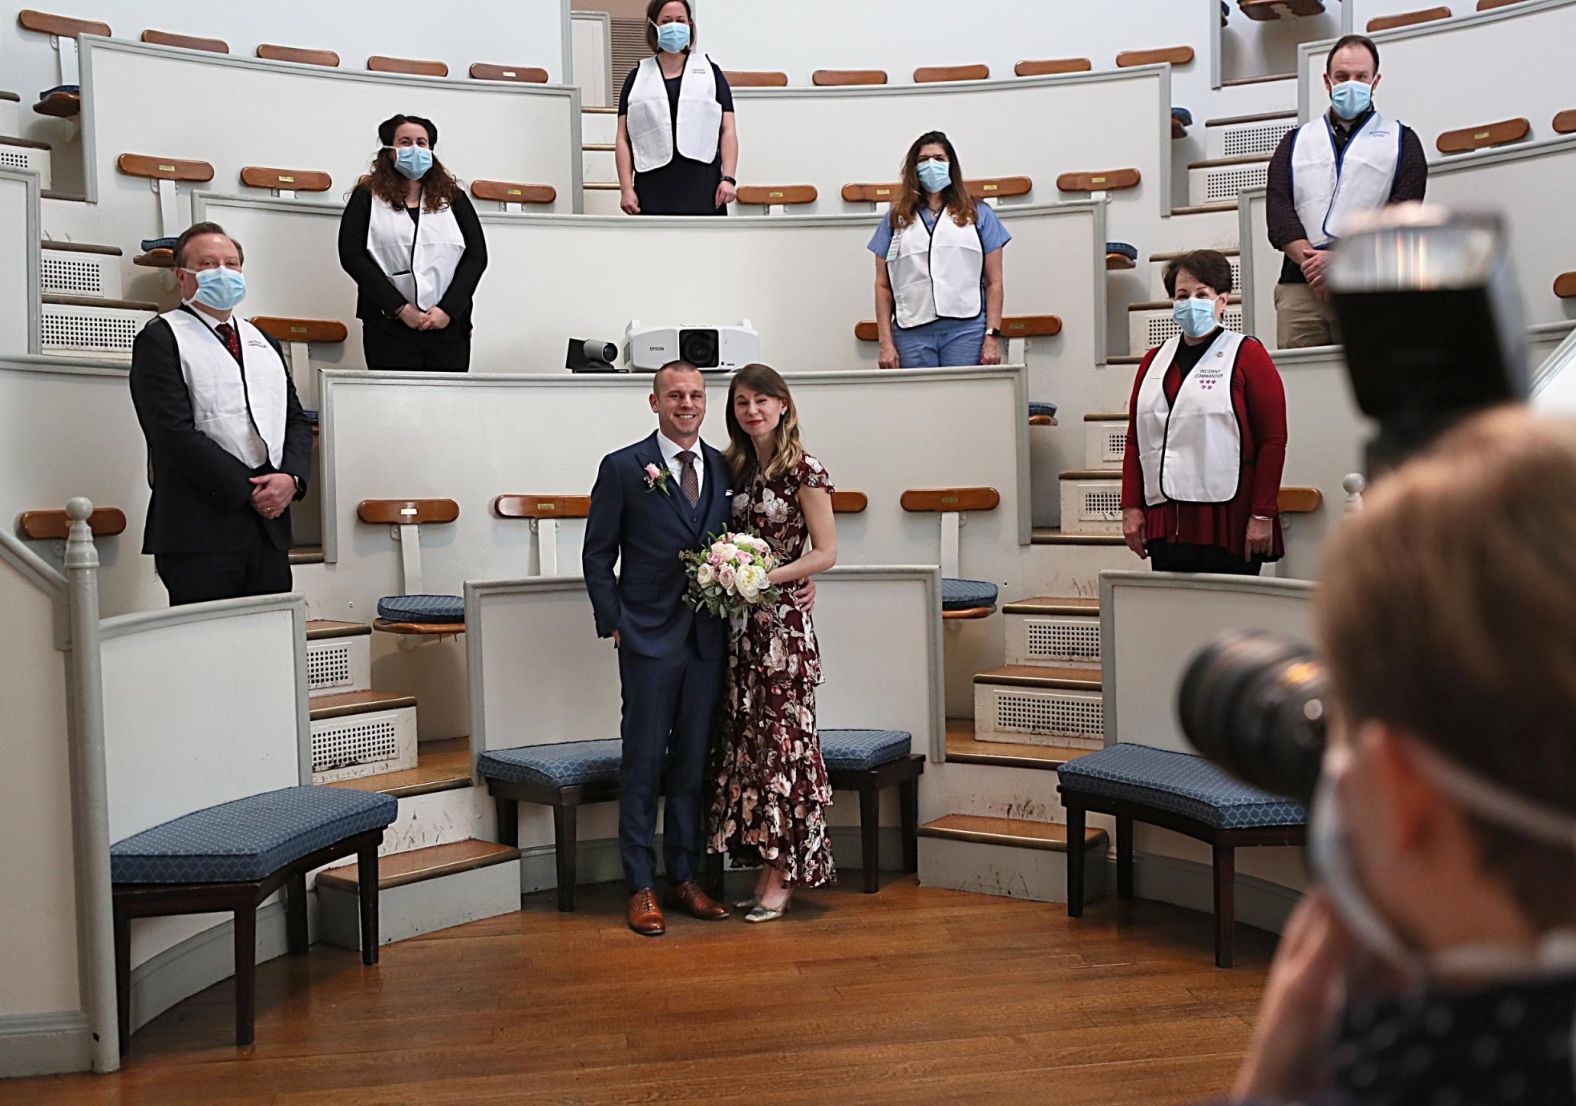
pixel 229 448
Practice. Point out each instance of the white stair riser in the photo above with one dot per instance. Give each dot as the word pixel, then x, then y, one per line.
pixel 1016 873
pixel 1073 570
pixel 98 332
pixel 417 908
pixel 27 159
pixel 1220 183
pixel 339 664
pixel 1092 506
pixel 10 113
pixel 602 201
pixel 598 128
pixel 598 167
pixel 363 744
pixel 1157 278
pixel 66 273
pixel 1104 441
pixel 1147 329
pixel 1245 139
pixel 440 818
pixel 1039 716
pixel 1055 640
pixel 997 791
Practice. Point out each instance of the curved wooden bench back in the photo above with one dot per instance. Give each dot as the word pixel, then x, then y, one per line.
pixel 326 58
pixel 944 500
pixel 508 192
pixel 416 67
pixel 1481 138
pixel 542 506
pixel 1050 67
pixel 286 180
pixel 941 74
pixel 1110 180
pixel 1406 19
pixel 63 26
pixel 1176 55
pixel 163 168
pixel 520 74
pixel 397 512
pixel 849 503
pixel 836 77
pixel 285 329
pixel 186 42
pixel 745 78
pixel 54 525
pixel 768 194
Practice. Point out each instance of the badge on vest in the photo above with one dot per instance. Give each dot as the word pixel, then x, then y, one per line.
pixel 1210 375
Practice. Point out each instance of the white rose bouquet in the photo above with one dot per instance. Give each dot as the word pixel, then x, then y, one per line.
pixel 727 576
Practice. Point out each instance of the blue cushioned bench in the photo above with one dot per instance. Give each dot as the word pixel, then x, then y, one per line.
pixel 970 596
pixel 1179 792
pixel 233 856
pixel 565 776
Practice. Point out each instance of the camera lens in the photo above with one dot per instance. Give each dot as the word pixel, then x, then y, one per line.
pixel 1255 704
pixel 699 348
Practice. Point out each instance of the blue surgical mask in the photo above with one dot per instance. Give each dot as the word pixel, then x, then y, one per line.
pixel 1351 98
pixel 1196 317
pixel 934 175
pixel 412 161
pixel 672 38
pixel 220 289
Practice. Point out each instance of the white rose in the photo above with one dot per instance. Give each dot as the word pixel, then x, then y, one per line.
pixel 705 575
pixel 729 551
pixel 748 593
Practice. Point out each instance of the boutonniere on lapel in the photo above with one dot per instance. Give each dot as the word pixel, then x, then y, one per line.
pixel 657 479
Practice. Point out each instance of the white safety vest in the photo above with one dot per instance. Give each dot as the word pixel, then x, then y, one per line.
pixel 1329 190
pixel 650 117
pixel 241 407
pixel 1190 450
pixel 418 258
pixel 936 274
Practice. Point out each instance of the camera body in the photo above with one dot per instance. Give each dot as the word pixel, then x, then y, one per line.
pixel 720 348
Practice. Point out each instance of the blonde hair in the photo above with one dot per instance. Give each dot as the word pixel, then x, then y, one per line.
pixel 788 450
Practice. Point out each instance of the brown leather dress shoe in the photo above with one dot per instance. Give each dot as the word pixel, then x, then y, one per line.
pixel 689 898
pixel 645 917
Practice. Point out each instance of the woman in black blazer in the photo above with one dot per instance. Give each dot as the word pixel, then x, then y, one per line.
pixel 411 241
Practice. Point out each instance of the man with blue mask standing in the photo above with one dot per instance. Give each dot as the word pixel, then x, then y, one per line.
pixel 1350 160
pixel 229 448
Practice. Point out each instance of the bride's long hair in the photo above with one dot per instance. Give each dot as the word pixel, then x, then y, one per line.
pixel 788 452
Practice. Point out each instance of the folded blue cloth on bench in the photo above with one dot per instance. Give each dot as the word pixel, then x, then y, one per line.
pixel 563 765
pixel 962 595
pixel 1183 116
pixel 1039 407
pixel 1125 249
pixel 69 89
pixel 1180 784
pixel 422 608
pixel 860 750
pixel 150 244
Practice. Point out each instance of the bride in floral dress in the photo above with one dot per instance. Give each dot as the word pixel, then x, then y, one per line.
pixel 769 809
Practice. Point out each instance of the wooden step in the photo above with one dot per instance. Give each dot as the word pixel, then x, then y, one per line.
pixel 306 555
pixel 1049 536
pixel 1091 474
pixel 95 301
pixel 440 766
pixel 1110 416
pixel 418 865
pixel 1239 120
pixel 319 629
pixel 1205 209
pixel 1221 162
pixel 1069 606
pixel 347 703
pixel 1013 832
pixel 1125 359
pixel 964 748
pixel 1033 675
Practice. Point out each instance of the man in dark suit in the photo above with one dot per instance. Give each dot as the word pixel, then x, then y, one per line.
pixel 229 448
pixel 652 501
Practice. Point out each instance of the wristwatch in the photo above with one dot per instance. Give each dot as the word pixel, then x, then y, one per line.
pixel 730 180
pixel 994 332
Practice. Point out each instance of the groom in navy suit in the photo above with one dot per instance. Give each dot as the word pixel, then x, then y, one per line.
pixel 653 500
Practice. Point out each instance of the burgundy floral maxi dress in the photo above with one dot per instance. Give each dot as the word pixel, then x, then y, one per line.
pixel 771 786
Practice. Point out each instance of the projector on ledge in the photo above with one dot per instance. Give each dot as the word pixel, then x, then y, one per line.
pixel 719 348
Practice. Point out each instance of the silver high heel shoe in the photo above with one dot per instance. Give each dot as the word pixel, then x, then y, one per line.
pixel 762 913
pixel 746 904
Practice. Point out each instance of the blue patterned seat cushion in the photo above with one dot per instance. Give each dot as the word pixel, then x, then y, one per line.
pixel 1183 116
pixel 69 89
pixel 150 244
pixel 422 608
pixel 1126 249
pixel 963 595
pixel 250 838
pixel 1040 407
pixel 858 750
pixel 564 765
pixel 1179 783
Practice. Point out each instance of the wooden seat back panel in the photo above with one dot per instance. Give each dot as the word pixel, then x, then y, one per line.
pixel 849 503
pixel 1299 501
pixel 943 500
pixel 542 506
pixel 767 194
pixel 520 74
pixel 839 77
pixel 104 522
pixel 186 42
pixel 286 180
pixel 415 67
pixel 1050 67
pixel 1565 122
pixel 164 168
pixel 985 188
pixel 745 78
pixel 301 330
pixel 1481 138
pixel 397 512
pixel 63 26
pixel 1109 180
pixel 511 192
pixel 301 56
pixel 941 74
pixel 1406 19
pixel 1176 55
pixel 1565 286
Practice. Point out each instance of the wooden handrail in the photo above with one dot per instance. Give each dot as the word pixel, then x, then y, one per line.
pixel 945 500
pixel 396 512
pixel 520 74
pixel 186 42
pixel 286 180
pixel 1050 67
pixel 416 67
pixel 284 329
pixel 849 503
pixel 1406 19
pixel 542 506
pixel 767 194
pixel 1299 501
pixel 164 168
pixel 837 77
pixel 1013 326
pixel 301 56
pixel 1176 55
pixel 1565 286
pixel 55 525
pixel 1479 138
pixel 63 26
pixel 509 192
pixel 746 78
pixel 941 74
pixel 1109 180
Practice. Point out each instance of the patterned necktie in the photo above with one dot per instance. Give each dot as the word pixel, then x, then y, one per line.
pixel 232 340
pixel 689 479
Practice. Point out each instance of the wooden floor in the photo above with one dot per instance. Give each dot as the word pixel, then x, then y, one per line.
pixel 913 995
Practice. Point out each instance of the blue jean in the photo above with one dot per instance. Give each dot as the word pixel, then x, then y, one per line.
pixel 938 343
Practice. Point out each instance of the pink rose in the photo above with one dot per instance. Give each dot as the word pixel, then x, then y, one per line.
pixel 652 472
pixel 725 577
pixel 716 560
pixel 744 558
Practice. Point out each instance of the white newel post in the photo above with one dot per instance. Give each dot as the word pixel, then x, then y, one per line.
pixel 1354 483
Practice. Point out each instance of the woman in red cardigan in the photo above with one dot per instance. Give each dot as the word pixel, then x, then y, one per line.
pixel 1206 437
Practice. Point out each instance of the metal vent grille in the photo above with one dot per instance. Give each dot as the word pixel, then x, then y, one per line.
pixel 1052 716
pixel 629 49
pixel 353 743
pixel 1224 184
pixel 96 332
pixel 1163 327
pixel 1064 639
pixel 72 278
pixel 10 159
pixel 1115 445
pixel 1262 139
pixel 1100 504
pixel 328 666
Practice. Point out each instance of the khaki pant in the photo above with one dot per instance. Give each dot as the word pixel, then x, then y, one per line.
pixel 1300 319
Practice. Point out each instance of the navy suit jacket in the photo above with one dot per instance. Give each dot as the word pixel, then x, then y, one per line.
pixel 645 530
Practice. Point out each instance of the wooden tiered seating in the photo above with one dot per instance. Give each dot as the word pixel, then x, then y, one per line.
pixel 766 195
pixel 1406 19
pixel 105 522
pixel 1565 122
pixel 301 56
pixel 1274 9
pixel 512 192
pixel 186 42
pixel 1175 55
pixel 744 78
pixel 1050 67
pixel 1108 180
pixel 65 101
pixel 286 180
pixel 961 599
pixel 1013 326
pixel 415 67
pixel 941 74
pixel 520 74
pixel 1565 286
pixel 835 77
pixel 407 516
pixel 1502 133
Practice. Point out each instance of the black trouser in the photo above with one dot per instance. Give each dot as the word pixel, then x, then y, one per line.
pixel 1166 556
pixel 259 569
pixel 390 344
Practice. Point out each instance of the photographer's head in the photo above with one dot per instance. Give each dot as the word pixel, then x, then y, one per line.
pixel 1448 621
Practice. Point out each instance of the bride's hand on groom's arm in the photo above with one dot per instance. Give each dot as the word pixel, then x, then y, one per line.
pixel 804 595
